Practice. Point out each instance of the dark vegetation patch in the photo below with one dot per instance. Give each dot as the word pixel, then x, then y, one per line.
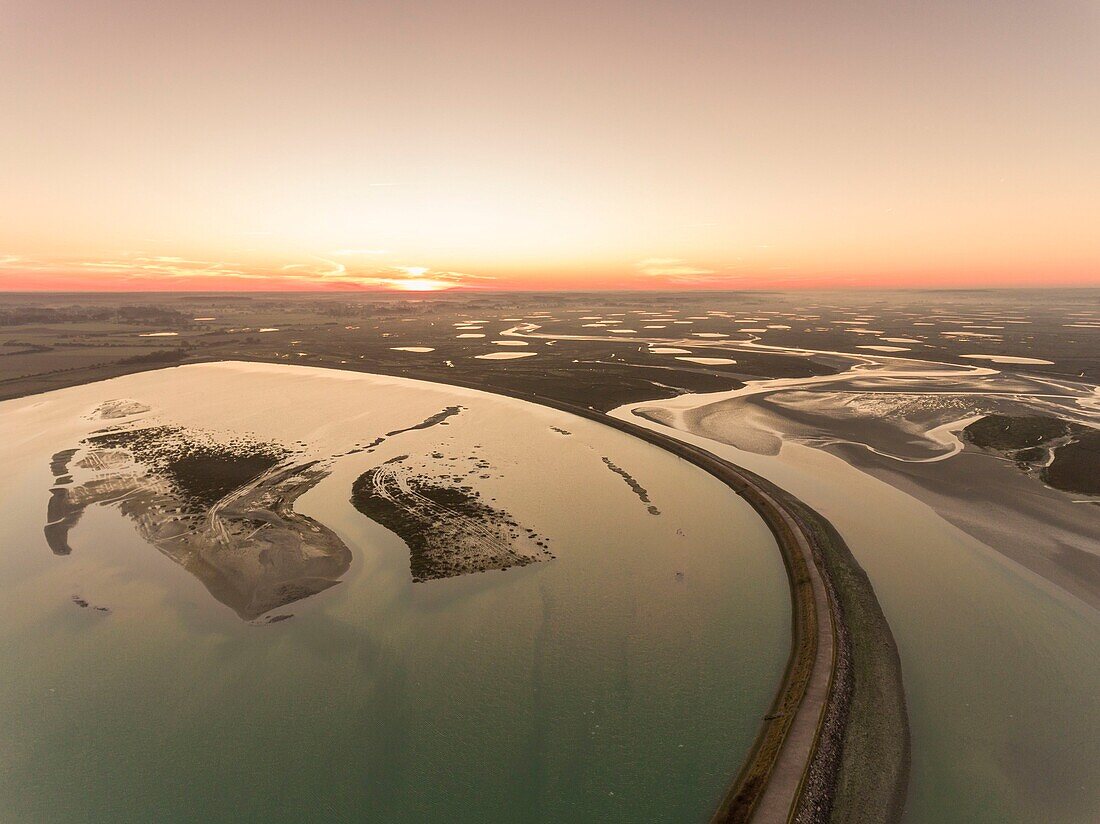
pixel 59 463
pixel 427 423
pixel 1030 455
pixel 164 356
pixel 1074 465
pixel 1007 432
pixel 83 603
pixel 635 487
pixel 202 472
pixel 17 315
pixel 448 528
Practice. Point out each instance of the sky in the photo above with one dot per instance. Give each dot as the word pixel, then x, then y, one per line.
pixel 574 144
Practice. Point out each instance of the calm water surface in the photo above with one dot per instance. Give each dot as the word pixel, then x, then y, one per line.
pixel 623 681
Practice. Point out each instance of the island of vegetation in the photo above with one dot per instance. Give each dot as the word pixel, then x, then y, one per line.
pixel 1063 453
pixel 221 509
pixel 449 529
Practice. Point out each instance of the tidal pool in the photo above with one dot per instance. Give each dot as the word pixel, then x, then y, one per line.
pixel 506 355
pixel 619 673
pixel 709 361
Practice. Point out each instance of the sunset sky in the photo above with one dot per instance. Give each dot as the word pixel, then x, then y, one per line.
pixel 508 144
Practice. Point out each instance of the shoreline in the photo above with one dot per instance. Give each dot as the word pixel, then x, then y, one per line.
pixel 819 772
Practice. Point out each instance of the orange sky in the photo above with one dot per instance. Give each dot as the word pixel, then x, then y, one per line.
pixel 487 144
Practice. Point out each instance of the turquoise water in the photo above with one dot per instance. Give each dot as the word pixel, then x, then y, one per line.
pixel 623 681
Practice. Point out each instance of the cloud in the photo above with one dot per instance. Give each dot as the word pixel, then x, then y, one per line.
pixel 674 268
pixel 141 270
pixel 15 263
pixel 163 266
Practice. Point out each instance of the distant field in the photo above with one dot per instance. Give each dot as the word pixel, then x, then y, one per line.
pixel 47 341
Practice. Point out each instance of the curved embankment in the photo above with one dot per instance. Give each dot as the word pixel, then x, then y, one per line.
pixel 835 745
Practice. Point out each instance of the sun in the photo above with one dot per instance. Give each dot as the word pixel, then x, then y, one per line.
pixel 421 285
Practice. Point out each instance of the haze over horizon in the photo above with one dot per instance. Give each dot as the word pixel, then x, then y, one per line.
pixel 518 145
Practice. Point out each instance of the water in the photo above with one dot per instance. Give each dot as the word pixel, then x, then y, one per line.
pixel 1001 670
pixel 623 681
